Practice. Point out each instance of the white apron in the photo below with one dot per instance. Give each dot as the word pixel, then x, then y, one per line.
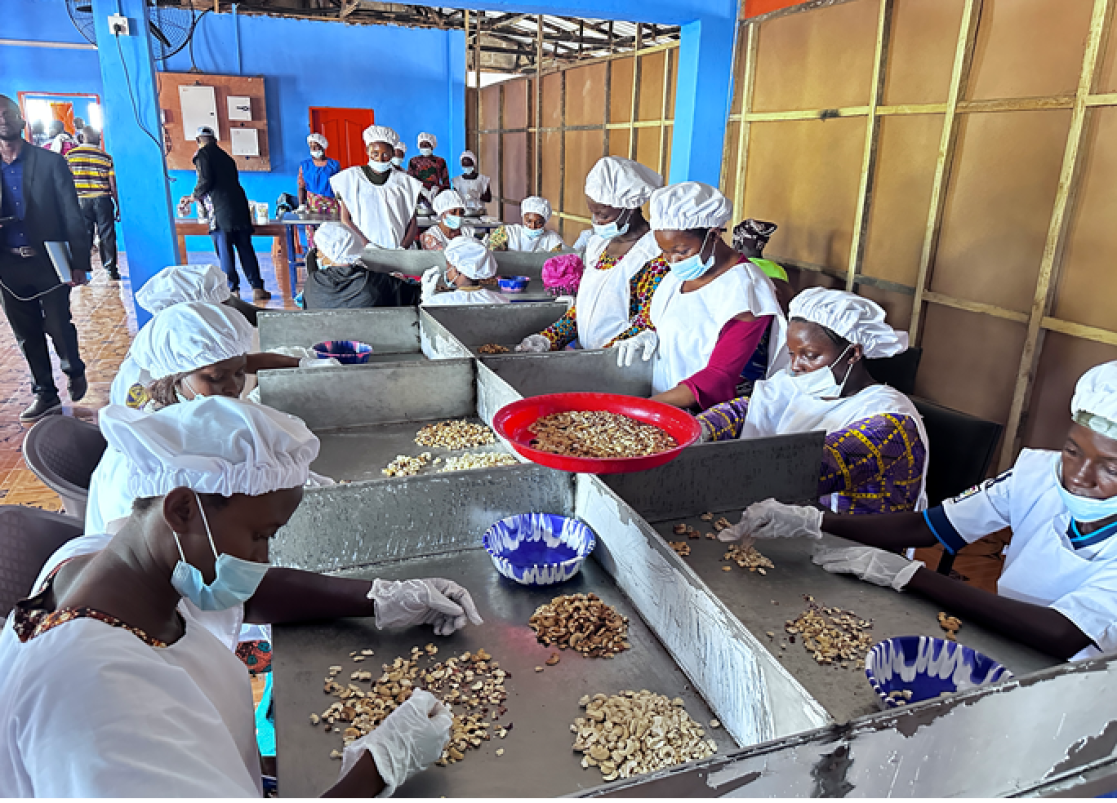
pixel 602 304
pixel 778 408
pixel 688 324
pixel 457 297
pixel 128 375
pixel 471 190
pixel 383 213
pixel 519 241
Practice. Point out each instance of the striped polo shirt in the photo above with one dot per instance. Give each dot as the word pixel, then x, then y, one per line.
pixel 92 168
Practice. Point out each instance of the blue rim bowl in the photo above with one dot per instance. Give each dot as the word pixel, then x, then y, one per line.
pixel 926 668
pixel 538 549
pixel 514 284
pixel 346 352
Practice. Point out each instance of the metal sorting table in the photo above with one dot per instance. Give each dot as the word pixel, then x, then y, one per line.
pixel 459 331
pixel 393 333
pixel 538 759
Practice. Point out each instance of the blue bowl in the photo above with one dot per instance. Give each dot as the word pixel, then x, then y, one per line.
pixel 513 284
pixel 927 667
pixel 538 549
pixel 346 352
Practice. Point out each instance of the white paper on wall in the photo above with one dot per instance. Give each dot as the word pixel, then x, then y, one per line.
pixel 245 142
pixel 199 108
pixel 240 108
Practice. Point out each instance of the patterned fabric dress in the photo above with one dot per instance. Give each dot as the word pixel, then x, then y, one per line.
pixel 431 170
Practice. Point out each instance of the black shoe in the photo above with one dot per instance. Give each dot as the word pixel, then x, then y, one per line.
pixel 78 386
pixel 260 294
pixel 41 408
pixel 114 275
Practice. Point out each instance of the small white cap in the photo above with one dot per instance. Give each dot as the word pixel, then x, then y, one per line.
pixel 338 243
pixel 189 336
pixel 621 183
pixel 690 205
pixel 321 140
pixel 536 206
pixel 380 133
pixel 425 137
pixel 180 283
pixel 447 200
pixel 1094 405
pixel 471 155
pixel 854 317
pixel 471 258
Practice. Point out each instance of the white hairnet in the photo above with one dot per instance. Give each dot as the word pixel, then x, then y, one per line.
pixel 690 205
pixel 857 319
pixel 380 133
pixel 425 137
pixel 321 140
pixel 212 445
pixel 471 155
pixel 1095 400
pixel 338 243
pixel 401 146
pixel 536 206
pixel 471 258
pixel 189 336
pixel 179 283
pixel 447 200
pixel 621 183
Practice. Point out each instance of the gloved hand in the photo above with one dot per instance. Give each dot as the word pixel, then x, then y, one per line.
pixel 442 603
pixel 408 741
pixel 772 519
pixel 645 342
pixel 431 277
pixel 869 564
pixel 315 362
pixel 536 344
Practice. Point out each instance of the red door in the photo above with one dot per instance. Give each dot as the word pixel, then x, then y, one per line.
pixel 342 128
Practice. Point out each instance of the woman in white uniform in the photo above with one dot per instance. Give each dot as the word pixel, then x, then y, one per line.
pixel 450 209
pixel 623 264
pixel 468 263
pixel 1058 590
pixel 471 185
pixel 532 234
pixel 112 682
pixel 875 456
pixel 376 200
pixel 712 311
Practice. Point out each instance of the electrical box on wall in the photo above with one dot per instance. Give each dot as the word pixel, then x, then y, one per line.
pixel 118 25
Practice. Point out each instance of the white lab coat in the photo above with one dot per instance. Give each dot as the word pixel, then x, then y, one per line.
pixel 471 190
pixel 1042 567
pixel 519 241
pixel 128 375
pixel 456 297
pixel 602 303
pixel 381 213
pixel 688 324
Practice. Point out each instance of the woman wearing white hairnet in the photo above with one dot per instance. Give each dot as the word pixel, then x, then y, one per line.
pixel 713 311
pixel 623 264
pixel 875 456
pixel 429 169
pixel 531 235
pixel 449 207
pixel 315 192
pixel 468 263
pixel 116 676
pixel 1058 589
pixel 336 279
pixel 375 200
pixel 472 185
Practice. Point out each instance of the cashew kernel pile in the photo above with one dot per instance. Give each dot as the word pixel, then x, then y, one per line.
pixel 478 460
pixel 492 348
pixel 831 635
pixel 585 433
pixel 583 623
pixel 404 466
pixel 748 558
pixel 633 733
pixel 682 548
pixel 459 434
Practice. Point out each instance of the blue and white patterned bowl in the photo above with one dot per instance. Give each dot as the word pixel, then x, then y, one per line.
pixel 538 549
pixel 927 667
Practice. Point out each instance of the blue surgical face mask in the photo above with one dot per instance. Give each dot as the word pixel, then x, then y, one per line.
pixel 821 383
pixel 318 154
pixel 1082 508
pixel 182 398
pixel 426 151
pixel 379 167
pixel 452 222
pixel 235 583
pixel 397 161
pixel 533 234
pixel 607 231
pixel 693 266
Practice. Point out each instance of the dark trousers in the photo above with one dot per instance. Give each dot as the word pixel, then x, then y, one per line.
pixel 100 217
pixel 34 319
pixel 241 240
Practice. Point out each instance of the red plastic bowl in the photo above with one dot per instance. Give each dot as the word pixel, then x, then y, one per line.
pixel 513 420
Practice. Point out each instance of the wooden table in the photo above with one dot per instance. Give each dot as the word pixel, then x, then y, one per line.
pixel 188 227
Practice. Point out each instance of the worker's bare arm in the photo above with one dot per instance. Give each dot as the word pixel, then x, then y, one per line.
pixel 362 781
pixel 291 595
pixel 892 531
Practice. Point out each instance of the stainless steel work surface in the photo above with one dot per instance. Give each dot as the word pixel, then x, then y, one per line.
pixel 388 330
pixel 573 371
pixel 764 603
pixel 360 453
pixel 475 325
pixel 538 760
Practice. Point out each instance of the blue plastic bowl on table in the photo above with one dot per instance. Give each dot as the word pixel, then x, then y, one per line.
pixel 927 667
pixel 538 549
pixel 346 352
pixel 513 284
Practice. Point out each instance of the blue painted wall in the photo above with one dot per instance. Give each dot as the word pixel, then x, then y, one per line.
pixel 37 69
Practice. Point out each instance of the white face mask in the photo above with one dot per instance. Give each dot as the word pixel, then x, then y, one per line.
pixel 317 154
pixel 397 161
pixel 534 234
pixel 607 231
pixel 380 167
pixel 821 383
pixel 426 151
pixel 1083 508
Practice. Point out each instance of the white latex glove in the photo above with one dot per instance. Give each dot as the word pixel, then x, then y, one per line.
pixel 868 563
pixel 644 343
pixel 314 362
pixel 431 277
pixel 405 603
pixel 772 519
pixel 408 741
pixel 536 344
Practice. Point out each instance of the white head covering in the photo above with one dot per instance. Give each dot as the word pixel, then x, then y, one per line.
pixel 857 319
pixel 338 243
pixel 425 137
pixel 536 206
pixel 471 155
pixel 321 140
pixel 1094 405
pixel 621 183
pixel 471 258
pixel 212 445
pixel 380 133
pixel 690 205
pixel 402 146
pixel 189 336
pixel 447 200
pixel 179 283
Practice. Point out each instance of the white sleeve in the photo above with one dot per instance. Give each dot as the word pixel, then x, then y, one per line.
pixel 980 511
pixel 107 499
pixel 1093 608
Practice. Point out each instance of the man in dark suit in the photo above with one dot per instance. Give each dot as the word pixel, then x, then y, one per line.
pixel 38 204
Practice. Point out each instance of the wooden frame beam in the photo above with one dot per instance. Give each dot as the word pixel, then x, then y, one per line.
pixel 752 47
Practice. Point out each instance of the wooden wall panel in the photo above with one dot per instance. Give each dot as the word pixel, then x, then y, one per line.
pixel 1029 48
pixel 490 159
pixel 517 182
pixel 921 50
pixel 896 305
pixel 618 142
pixel 490 108
pixel 651 86
pixel 552 100
pixel 647 147
pixel 672 81
pixel 585 95
pixel 620 101
pixel 729 166
pixel 999 206
pixel 552 167
pixel 583 149
pixel 817 60
pixel 516 102
pixel 1064 360
pixel 181 154
pixel 804 177
pixel 1107 68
